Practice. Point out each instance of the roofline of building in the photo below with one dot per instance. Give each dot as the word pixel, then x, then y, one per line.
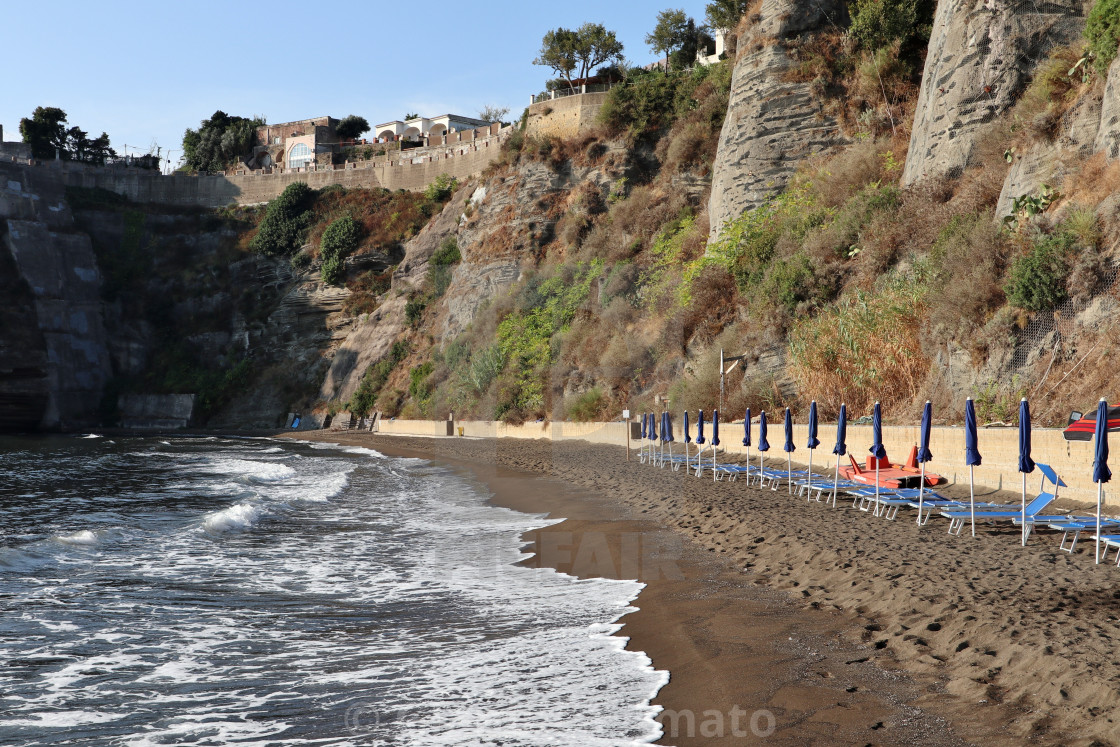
pixel 297 121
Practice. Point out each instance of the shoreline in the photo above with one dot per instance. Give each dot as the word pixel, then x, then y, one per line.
pixel 747 661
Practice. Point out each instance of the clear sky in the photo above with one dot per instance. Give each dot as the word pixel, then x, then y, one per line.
pixel 145 71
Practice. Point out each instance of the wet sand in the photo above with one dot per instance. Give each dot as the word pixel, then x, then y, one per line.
pixel 829 626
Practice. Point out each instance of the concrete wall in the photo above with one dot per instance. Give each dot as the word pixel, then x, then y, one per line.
pixel 999 448
pixel 565 117
pixel 156 411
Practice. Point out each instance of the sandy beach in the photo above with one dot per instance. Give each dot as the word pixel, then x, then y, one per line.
pixel 787 622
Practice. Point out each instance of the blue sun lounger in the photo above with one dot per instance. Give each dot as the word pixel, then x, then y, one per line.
pixel 930 502
pixel 957 519
pixel 1070 526
pixel 1109 541
pixel 1011 512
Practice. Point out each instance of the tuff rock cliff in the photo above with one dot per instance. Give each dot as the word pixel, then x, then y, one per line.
pixel 981 55
pixel 774 120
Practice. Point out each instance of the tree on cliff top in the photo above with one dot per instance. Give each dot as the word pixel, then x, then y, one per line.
pixel 677 36
pixel 574 54
pixel 219 141
pixel 46 132
pixel 724 15
pixel 670 32
pixel 351 127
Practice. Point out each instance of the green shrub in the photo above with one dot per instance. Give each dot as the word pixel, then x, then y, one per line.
pixel 877 24
pixel 439 266
pixel 333 270
pixel 1037 281
pixel 441 188
pixel 789 282
pixel 285 222
pixel 649 102
pixel 414 310
pixel 587 406
pixel 418 387
pixel 1102 31
pixel 339 239
pixel 365 396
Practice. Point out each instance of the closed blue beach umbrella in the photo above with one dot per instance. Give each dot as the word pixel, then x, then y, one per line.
pixel 877 449
pixel 1026 464
pixel 687 441
pixel 652 427
pixel 667 429
pixel 700 427
pixel 924 454
pixel 841 447
pixel 747 441
pixel 1101 472
pixel 715 440
pixel 812 443
pixel 643 452
pixel 971 455
pixel 788 447
pixel 763 444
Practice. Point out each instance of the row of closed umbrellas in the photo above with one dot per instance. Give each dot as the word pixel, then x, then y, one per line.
pixel 972 457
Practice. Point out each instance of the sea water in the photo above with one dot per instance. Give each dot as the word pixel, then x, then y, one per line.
pixel 212 591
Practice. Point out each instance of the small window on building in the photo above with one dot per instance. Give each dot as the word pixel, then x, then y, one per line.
pixel 299 156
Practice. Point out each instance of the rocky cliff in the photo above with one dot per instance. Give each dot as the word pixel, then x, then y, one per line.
pixel 773 121
pixel 54 343
pixel 981 55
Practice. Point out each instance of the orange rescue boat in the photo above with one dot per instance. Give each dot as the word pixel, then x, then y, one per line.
pixel 893 476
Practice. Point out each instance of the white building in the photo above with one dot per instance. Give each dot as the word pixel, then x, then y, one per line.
pixel 421 127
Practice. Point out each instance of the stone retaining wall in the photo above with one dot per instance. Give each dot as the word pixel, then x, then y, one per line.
pixel 999 448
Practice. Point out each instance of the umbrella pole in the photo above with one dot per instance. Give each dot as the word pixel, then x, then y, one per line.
pixel 876 486
pixel 809 493
pixel 836 482
pixel 921 493
pixel 760 469
pixel 789 473
pixel 1024 527
pixel 972 498
pixel 1100 496
pixel 748 465
pixel 714 478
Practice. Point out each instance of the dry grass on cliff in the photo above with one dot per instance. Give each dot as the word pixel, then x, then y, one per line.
pixel 388 219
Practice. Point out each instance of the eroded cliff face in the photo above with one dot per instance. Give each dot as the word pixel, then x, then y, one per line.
pixel 501 225
pixel 981 55
pixel 773 120
pixel 54 357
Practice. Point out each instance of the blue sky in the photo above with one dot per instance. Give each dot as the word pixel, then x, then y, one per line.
pixel 143 71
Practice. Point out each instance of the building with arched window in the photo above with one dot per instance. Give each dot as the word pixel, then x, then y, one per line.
pixel 299 155
pixel 296 145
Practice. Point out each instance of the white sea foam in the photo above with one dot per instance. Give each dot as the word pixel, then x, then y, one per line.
pixel 82 537
pixel 405 596
pixel 93 435
pixel 237 516
pixel 250 469
pixel 62 719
